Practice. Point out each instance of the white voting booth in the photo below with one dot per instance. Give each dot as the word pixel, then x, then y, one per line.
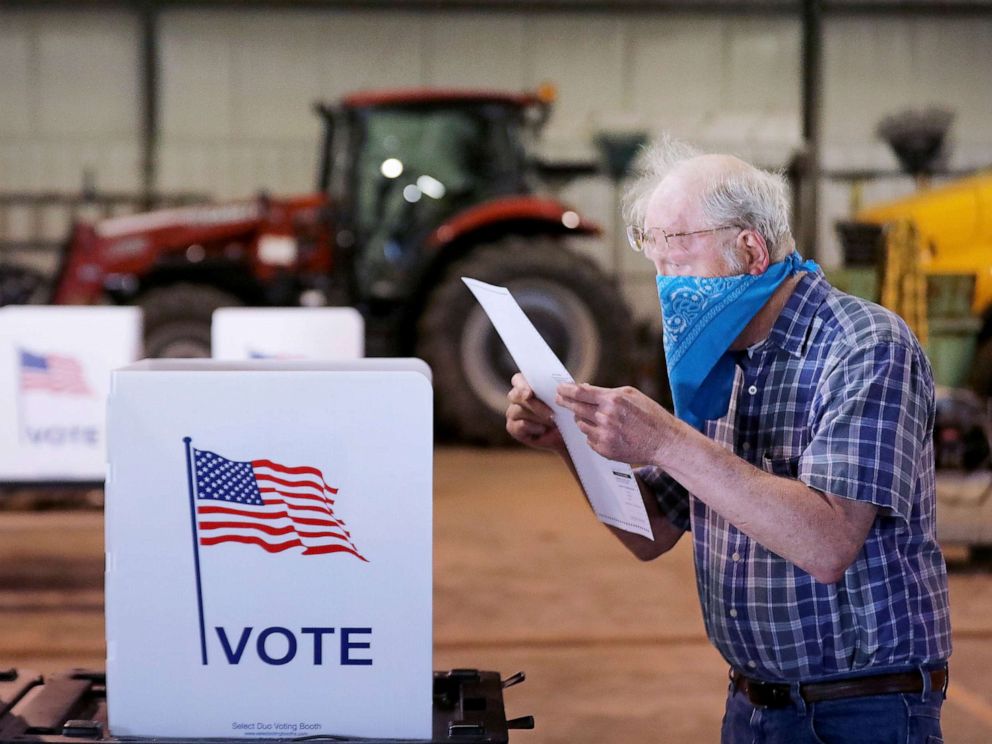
pixel 268 531
pixel 55 365
pixel 331 333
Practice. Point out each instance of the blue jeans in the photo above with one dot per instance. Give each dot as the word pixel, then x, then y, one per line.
pixel 896 718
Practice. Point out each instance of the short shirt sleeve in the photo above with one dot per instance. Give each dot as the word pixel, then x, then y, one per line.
pixel 672 498
pixel 872 418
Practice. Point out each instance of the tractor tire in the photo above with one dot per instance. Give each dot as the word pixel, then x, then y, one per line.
pixel 573 305
pixel 177 319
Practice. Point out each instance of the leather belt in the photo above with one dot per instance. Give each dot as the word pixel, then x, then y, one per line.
pixel 778 694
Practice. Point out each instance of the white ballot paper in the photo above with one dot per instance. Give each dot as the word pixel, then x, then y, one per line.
pixel 610 485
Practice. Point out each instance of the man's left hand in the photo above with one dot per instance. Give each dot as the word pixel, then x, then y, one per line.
pixel 621 423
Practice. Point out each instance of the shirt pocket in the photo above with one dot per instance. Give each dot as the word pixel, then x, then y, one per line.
pixel 779 464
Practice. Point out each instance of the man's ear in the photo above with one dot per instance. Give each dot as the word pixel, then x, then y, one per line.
pixel 753 248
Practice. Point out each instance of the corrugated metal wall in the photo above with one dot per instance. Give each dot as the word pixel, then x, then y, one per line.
pixel 68 99
pixel 236 89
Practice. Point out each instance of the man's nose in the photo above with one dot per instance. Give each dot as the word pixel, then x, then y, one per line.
pixel 655 253
pixel 660 262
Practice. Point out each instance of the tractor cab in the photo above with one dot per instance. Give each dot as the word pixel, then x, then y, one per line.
pixel 398 165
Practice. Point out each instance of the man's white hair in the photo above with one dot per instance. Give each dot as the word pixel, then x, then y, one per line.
pixel 747 197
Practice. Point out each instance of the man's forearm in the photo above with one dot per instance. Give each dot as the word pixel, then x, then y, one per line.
pixel 819 533
pixel 665 533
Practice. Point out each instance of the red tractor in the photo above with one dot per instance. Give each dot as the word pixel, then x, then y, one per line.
pixel 416 189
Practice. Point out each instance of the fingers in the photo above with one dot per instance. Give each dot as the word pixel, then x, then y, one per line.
pixel 527 425
pixel 606 416
pixel 527 429
pixel 518 381
pixel 522 394
pixel 517 412
pixel 582 411
pixel 583 392
pixel 584 400
pixel 532 423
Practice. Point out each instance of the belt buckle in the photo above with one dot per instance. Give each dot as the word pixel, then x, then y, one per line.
pixel 768 694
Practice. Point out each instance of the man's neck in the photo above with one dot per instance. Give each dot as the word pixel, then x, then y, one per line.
pixel 761 324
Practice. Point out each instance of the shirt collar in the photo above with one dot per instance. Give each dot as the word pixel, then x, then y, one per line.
pixel 791 330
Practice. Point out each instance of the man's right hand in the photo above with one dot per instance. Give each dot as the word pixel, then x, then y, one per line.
pixel 530 421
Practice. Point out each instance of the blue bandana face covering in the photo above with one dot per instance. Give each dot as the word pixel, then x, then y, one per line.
pixel 701 318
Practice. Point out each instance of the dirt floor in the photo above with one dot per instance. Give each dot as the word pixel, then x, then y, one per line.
pixel 525 579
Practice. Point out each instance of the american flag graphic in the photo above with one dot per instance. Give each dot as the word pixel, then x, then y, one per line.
pixel 54 373
pixel 267 504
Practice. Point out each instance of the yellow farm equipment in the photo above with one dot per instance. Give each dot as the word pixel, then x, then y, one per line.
pixel 928 257
pixel 933 253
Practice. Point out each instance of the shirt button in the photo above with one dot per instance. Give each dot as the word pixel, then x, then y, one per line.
pixel 753 390
pixel 746 446
pixel 752 663
pixel 733 613
pixel 736 556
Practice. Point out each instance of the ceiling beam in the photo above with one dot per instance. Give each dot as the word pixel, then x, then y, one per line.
pixel 620 7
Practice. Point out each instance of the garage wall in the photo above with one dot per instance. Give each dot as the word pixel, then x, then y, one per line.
pixel 68 94
pixel 68 106
pixel 244 83
pixel 875 65
pixel 236 90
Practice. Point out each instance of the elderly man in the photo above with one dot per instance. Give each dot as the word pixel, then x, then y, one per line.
pixel 800 458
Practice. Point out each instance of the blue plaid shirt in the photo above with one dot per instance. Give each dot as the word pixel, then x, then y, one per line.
pixel 840 395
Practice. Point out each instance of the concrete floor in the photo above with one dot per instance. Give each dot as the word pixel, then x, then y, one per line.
pixel 525 579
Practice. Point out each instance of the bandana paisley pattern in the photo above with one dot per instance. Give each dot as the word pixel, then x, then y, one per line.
pixel 701 317
pixel 692 303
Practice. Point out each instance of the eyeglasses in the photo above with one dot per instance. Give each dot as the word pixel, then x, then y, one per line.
pixel 640 238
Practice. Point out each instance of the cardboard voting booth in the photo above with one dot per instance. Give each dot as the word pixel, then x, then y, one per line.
pixel 268 531
pixel 287 333
pixel 55 365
